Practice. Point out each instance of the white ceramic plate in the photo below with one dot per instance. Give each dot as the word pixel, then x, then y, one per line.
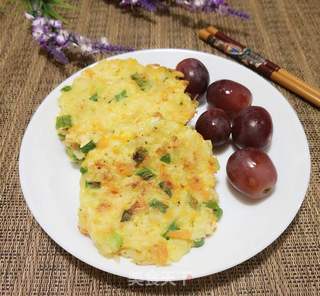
pixel 51 184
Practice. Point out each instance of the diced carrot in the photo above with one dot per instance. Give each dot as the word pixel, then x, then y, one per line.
pixel 124 168
pixel 160 253
pixel 180 234
pixel 139 205
pixel 103 207
pixel 195 184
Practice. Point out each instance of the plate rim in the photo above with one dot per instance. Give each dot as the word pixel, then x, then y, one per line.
pixel 152 278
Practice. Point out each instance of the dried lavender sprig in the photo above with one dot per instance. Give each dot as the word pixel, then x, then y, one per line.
pixel 55 40
pixel 201 5
pixel 219 6
pixel 150 5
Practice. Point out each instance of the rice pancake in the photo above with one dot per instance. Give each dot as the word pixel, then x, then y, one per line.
pixel 114 92
pixel 147 192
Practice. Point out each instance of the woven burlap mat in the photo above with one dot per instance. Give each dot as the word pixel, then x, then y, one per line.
pixel 285 31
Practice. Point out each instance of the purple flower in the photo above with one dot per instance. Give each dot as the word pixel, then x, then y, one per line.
pixel 55 24
pixel 150 5
pixel 62 37
pixel 55 40
pixel 51 36
pixel 56 53
pixel 219 6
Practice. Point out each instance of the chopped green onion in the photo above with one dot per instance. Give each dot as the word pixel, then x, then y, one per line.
pixel 61 137
pixel 157 204
pixel 212 204
pixel 145 173
pixel 121 95
pixel 139 155
pixel 198 243
pixel 166 188
pixel 63 121
pixel 141 81
pixel 93 184
pixel 72 155
pixel 126 215
pixel 166 158
pixel 87 147
pixel 83 170
pixel 114 241
pixel 66 88
pixel 94 97
pixel 172 227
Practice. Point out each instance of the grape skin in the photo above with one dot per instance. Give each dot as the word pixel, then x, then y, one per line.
pixel 214 125
pixel 229 95
pixel 252 128
pixel 196 74
pixel 251 172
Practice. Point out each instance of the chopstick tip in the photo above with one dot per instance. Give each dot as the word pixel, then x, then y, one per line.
pixel 203 34
pixel 212 30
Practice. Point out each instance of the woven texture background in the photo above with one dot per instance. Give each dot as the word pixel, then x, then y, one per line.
pixel 285 31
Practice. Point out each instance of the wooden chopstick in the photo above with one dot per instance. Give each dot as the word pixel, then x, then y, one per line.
pixel 263 66
pixel 304 85
pixel 281 71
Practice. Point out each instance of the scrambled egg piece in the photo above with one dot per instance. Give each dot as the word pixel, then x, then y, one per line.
pixel 147 192
pixel 114 92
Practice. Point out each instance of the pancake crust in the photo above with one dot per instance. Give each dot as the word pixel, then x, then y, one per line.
pixel 115 92
pixel 147 192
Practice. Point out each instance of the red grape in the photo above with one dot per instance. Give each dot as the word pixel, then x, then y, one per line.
pixel 229 95
pixel 252 128
pixel 196 74
pixel 251 172
pixel 214 125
